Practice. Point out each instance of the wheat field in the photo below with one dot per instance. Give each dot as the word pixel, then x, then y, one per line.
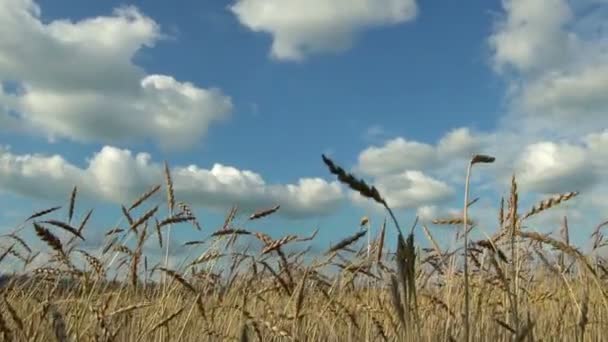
pixel 516 285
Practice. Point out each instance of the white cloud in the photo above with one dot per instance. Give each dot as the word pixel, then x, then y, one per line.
pixel 575 96
pixel 553 136
pixel 427 213
pixel 598 147
pixel 303 27
pixel 411 189
pixel 114 175
pixel 532 35
pixel 395 156
pixel 78 80
pixel 560 59
pixel 408 190
pixel 413 174
pixel 542 166
pixel 550 167
pixel 460 142
pixel 399 154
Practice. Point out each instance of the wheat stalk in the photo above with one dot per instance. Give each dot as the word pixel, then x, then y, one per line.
pixel 478 158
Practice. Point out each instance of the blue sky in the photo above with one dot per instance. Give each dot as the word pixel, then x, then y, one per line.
pixel 400 91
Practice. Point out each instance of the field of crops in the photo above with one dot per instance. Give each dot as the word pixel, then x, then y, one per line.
pixel 515 285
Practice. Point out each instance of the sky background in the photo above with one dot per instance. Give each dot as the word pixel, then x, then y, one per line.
pixel 242 97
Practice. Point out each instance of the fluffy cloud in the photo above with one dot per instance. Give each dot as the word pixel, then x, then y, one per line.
pixel 303 27
pixel 572 96
pixel 550 167
pixel 427 213
pixel 547 166
pixel 114 174
pixel 460 143
pixel 408 190
pixel 411 189
pixel 555 63
pixel 77 80
pixel 398 155
pixel 560 63
pixel 532 37
pixel 559 78
pixel 598 144
pixel 413 174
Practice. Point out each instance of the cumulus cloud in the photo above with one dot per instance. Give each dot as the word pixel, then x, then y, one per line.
pixel 408 190
pixel 545 165
pixel 303 27
pixel 399 154
pixel 570 96
pixel 415 175
pixel 552 137
pixel 558 63
pixel 551 167
pixel 598 145
pixel 411 189
pixel 559 60
pixel 396 155
pixel 412 174
pixel 77 80
pixel 556 66
pixel 460 143
pixel 114 174
pixel 531 36
pixel 555 63
pixel 427 213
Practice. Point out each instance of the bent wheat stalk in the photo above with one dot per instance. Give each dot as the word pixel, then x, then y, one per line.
pixel 478 158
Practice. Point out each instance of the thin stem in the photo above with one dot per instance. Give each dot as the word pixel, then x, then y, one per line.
pixel 368 227
pixel 394 219
pixel 168 238
pixel 514 271
pixel 466 252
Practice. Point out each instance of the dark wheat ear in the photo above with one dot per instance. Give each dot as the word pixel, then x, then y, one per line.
pixel 125 212
pixel 170 194
pixel 451 221
pixel 175 219
pixel 48 237
pixel 381 243
pixel 145 217
pixel 158 233
pixel 65 226
pixel 230 217
pixel 361 187
pixel 482 158
pixel 144 197
pixel 223 232
pixel 72 204
pixel 263 213
pixel 42 213
pixel 85 220
pixel 356 184
pixel 6 252
pixel 346 242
